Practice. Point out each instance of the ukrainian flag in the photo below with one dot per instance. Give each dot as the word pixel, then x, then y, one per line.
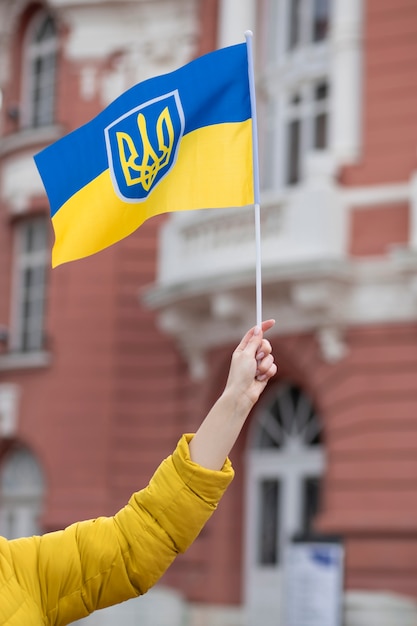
pixel 180 141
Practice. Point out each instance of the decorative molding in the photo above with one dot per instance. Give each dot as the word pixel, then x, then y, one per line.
pixel 154 37
pixel 20 167
pixel 19 361
pixel 226 306
pixel 332 343
pixel 323 298
pixel 29 138
pixel 377 195
pixel 313 295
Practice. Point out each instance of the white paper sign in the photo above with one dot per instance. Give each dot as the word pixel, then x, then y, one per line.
pixel 313 584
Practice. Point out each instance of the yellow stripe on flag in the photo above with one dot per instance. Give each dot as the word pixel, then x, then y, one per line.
pixel 213 170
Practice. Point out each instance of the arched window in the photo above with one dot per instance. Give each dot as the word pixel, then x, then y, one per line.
pixel 21 494
pixel 285 463
pixel 39 75
pixel 289 422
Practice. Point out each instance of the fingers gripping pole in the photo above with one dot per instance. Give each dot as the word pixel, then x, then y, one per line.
pixel 255 157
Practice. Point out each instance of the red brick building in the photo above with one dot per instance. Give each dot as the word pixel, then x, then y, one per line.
pixel 105 361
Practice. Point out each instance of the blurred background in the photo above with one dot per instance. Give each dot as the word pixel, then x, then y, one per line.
pixel 104 362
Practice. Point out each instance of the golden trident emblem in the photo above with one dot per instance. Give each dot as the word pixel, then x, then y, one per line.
pixel 145 172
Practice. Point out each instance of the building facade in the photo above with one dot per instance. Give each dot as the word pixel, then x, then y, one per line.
pixel 106 361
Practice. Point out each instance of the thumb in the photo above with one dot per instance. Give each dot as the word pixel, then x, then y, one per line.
pixel 254 341
pixel 255 331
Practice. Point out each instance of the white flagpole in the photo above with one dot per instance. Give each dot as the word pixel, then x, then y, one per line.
pixel 255 157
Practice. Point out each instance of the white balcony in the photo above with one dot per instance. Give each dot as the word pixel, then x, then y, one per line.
pixel 206 274
pixel 205 290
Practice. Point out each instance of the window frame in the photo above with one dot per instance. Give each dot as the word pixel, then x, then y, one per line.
pixel 21 506
pixel 305 114
pixel 282 72
pixel 28 260
pixel 33 113
pixel 284 446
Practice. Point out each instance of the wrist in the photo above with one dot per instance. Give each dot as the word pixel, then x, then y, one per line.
pixel 237 402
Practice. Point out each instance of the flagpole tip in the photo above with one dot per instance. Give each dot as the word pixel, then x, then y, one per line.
pixel 248 33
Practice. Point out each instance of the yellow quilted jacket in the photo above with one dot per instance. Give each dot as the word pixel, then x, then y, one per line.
pixel 63 576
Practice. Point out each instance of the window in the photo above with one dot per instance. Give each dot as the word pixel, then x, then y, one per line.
pixel 293 141
pixel 307 126
pixel 311 503
pixel 30 285
pixel 21 493
pixel 294 76
pixel 40 72
pixel 289 423
pixel 321 15
pixel 295 21
pixel 268 523
pixel 308 22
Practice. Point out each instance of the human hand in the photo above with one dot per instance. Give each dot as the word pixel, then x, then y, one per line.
pixel 251 368
pixel 252 365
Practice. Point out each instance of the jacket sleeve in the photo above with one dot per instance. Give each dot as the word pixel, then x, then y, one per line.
pixel 98 563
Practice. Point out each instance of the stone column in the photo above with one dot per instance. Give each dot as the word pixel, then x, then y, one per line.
pixel 235 17
pixel 346 79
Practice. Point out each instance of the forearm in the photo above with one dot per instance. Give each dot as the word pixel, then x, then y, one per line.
pixel 251 368
pixel 219 431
